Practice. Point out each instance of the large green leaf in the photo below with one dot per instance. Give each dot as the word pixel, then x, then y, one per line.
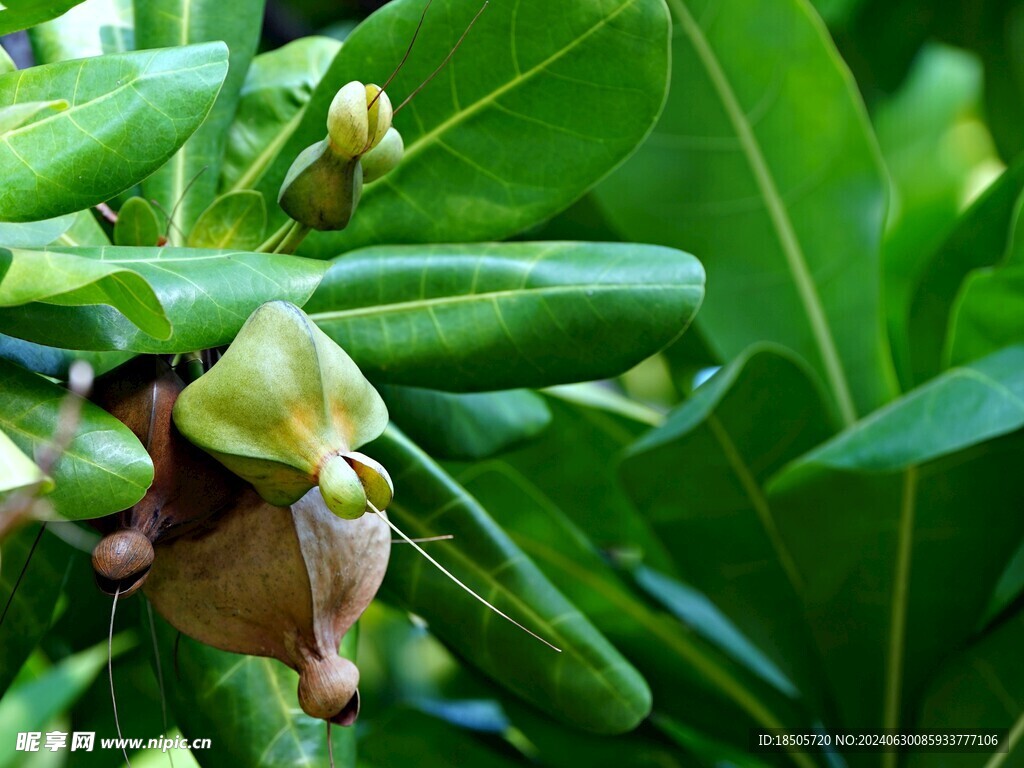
pixel 979 239
pixel 540 102
pixel 987 313
pixel 91 28
pixel 129 113
pixel 32 704
pixel 35 234
pixel 205 295
pixel 16 15
pixel 70 279
pixel 764 164
pixel 588 685
pixel 408 737
pixel 31 609
pixel 700 478
pixel 104 468
pixel 574 463
pixel 51 361
pixel 188 184
pixel 684 662
pixel 468 426
pixel 501 316
pixel 982 689
pixel 271 104
pixel 247 706
pixel 874 518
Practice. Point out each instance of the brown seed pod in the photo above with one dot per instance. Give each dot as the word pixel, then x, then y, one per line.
pixel 188 486
pixel 282 582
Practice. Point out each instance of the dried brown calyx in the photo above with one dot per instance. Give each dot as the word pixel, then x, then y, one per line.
pixel 188 486
pixel 282 582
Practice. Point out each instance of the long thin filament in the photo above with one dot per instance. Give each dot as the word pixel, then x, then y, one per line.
pixel 17 583
pixel 110 674
pixel 405 58
pixel 442 65
pixel 159 673
pixel 449 574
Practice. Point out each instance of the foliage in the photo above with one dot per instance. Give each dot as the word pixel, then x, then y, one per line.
pixel 822 531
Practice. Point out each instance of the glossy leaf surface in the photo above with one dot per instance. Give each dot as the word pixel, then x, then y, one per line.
pixel 202 296
pixel 765 165
pixel 111 136
pixel 476 317
pixel 104 468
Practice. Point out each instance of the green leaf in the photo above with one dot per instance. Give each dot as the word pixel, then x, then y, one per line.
pixel 700 477
pixel 137 224
pixel 247 706
pixel 32 704
pixel 980 689
pixel 986 316
pixel 17 470
pixel 104 468
pixel 69 279
pixel 540 102
pixel 933 113
pixel 129 112
pixel 188 184
pixel 574 462
pixel 35 234
pixel 501 316
pixel 683 662
pixel 407 737
pixel 874 517
pixel 271 105
pixel 470 426
pixel 979 239
pixel 31 609
pixel 236 220
pixel 17 115
pixel 91 28
pixel 54 362
pixel 206 296
pixel 16 15
pixel 588 685
pixel 765 165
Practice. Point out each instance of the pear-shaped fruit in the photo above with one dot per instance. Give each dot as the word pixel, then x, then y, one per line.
pixel 284 409
pixel 278 582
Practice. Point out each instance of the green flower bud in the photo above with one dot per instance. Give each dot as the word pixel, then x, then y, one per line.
pixel 342 488
pixel 353 127
pixel 321 189
pixel 383 158
pixel 284 409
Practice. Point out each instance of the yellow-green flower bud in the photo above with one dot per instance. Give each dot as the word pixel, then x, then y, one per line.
pixel 383 158
pixel 353 126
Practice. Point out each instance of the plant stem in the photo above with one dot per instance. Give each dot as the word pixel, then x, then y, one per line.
pixel 271 243
pixel 293 239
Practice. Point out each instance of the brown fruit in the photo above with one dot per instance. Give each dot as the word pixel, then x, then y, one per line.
pixel 285 583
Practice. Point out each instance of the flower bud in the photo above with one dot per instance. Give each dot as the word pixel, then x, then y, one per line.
pixel 353 127
pixel 322 189
pixel 383 158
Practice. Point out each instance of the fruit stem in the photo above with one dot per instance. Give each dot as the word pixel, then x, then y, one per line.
pixel 271 243
pixel 296 234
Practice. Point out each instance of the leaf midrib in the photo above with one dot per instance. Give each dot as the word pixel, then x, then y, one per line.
pixel 424 141
pixel 796 260
pixel 441 301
